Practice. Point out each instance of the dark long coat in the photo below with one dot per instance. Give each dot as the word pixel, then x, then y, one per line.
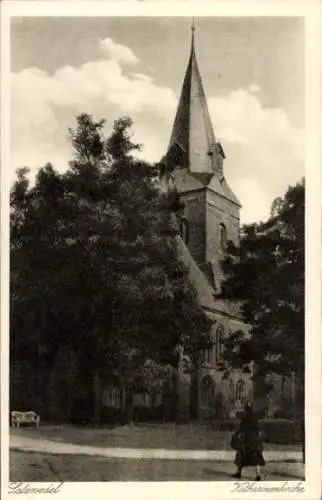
pixel 250 446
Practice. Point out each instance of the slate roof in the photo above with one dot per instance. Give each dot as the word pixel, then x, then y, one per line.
pixel 221 187
pixel 186 181
pixel 192 129
pixel 205 292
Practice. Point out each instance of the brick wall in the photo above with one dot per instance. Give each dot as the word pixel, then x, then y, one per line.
pixel 195 214
pixel 220 211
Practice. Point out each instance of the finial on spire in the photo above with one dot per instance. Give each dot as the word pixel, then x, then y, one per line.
pixel 193 26
pixel 193 29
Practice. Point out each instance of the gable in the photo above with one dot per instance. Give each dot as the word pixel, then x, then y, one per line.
pixel 220 186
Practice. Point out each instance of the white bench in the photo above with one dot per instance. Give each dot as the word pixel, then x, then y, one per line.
pixel 19 418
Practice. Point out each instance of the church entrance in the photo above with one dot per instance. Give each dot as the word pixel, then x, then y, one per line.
pixel 207 397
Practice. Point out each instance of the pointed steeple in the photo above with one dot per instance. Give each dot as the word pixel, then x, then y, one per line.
pixel 192 144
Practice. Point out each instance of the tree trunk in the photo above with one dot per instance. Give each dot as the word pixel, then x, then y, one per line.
pixel 175 388
pixel 97 397
pixel 300 412
pixel 43 376
pixel 129 406
pixel 303 439
pixel 194 395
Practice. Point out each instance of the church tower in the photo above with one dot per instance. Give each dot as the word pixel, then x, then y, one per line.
pixel 193 166
pixel 195 160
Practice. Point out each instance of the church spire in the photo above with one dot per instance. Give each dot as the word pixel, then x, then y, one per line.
pixel 193 29
pixel 192 143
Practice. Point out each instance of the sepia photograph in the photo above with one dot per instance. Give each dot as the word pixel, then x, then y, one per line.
pixel 157 191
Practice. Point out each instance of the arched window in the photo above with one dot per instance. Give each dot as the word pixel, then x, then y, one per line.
pixel 283 386
pixel 209 357
pixel 146 399
pixel 219 342
pixel 206 352
pixel 118 398
pixel 111 397
pixel 240 390
pixel 222 235
pixel 207 391
pixel 185 363
pixel 231 390
pixel 184 230
pixel 105 398
pixel 206 356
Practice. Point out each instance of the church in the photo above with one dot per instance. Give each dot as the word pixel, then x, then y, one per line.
pixel 194 166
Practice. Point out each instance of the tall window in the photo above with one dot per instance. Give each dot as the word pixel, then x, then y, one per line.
pixel 219 343
pixel 207 391
pixel 184 230
pixel 231 390
pixel 206 356
pixel 240 390
pixel 112 397
pixel 222 235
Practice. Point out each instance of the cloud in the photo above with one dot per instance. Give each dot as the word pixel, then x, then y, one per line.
pixel 140 76
pixel 260 143
pixel 119 52
pixel 264 151
pixel 255 199
pixel 44 106
pixel 254 89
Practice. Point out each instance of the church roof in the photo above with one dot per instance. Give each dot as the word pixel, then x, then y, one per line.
pixel 186 182
pixel 193 153
pixel 192 129
pixel 205 292
pixel 193 162
pixel 220 186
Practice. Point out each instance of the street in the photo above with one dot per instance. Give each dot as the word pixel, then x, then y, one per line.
pixel 29 466
pixel 139 453
pixel 40 467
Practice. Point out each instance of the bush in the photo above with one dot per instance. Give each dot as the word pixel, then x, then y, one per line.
pixel 111 415
pixel 225 425
pixel 261 414
pixel 281 431
pixel 277 431
pixel 284 413
pixel 145 414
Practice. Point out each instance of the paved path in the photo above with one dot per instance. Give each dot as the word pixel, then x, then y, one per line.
pixel 25 443
pixel 275 460
pixel 35 467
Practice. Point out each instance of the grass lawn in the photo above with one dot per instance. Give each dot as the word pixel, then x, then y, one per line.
pixel 34 467
pixel 167 436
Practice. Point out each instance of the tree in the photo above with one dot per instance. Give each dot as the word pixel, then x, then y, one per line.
pixel 95 268
pixel 266 276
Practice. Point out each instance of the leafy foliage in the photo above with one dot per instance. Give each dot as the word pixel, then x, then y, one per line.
pixel 266 276
pixel 94 264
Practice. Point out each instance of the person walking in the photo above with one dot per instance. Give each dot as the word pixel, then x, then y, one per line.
pixel 248 444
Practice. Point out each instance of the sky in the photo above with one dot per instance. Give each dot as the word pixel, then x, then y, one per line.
pixel 252 70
